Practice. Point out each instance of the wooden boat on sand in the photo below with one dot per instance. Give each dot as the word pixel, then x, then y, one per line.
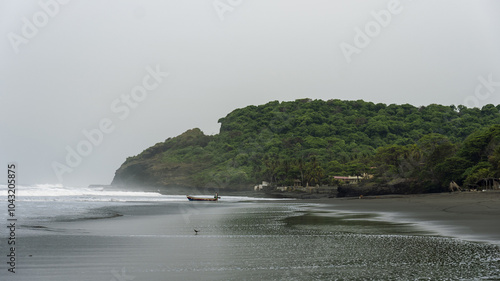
pixel 192 198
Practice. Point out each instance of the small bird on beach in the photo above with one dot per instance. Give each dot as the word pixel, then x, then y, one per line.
pixel 196 232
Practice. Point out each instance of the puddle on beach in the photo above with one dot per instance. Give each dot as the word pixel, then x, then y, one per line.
pixel 342 222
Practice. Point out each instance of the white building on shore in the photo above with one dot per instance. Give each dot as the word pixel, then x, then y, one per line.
pixel 261 186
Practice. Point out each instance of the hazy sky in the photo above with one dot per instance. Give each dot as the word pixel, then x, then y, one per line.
pixel 85 84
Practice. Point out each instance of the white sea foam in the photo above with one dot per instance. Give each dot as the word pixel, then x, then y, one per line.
pixel 57 192
pixel 51 192
pixel 54 190
pixel 47 202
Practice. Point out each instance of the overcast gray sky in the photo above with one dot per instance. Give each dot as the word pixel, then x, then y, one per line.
pixel 133 73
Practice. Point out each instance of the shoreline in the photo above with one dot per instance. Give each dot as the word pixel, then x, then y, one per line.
pixel 467 215
pixel 471 216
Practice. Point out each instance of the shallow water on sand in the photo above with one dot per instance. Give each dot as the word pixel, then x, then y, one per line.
pixel 245 241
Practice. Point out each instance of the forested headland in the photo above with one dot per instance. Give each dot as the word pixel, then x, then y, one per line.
pixel 309 142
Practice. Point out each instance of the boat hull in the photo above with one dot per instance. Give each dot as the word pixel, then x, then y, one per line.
pixel 192 198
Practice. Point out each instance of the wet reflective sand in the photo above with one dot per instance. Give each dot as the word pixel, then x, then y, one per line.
pixel 246 241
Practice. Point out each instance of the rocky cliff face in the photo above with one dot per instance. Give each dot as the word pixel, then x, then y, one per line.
pixel 161 164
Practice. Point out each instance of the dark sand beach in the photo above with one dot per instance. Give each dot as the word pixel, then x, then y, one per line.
pixel 467 215
pixel 378 238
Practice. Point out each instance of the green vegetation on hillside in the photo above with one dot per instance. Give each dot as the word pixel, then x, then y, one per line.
pixel 314 140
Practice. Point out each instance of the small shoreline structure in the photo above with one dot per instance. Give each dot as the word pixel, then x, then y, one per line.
pixel 359 187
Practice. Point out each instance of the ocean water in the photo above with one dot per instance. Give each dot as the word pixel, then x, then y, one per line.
pixel 94 234
pixel 47 202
